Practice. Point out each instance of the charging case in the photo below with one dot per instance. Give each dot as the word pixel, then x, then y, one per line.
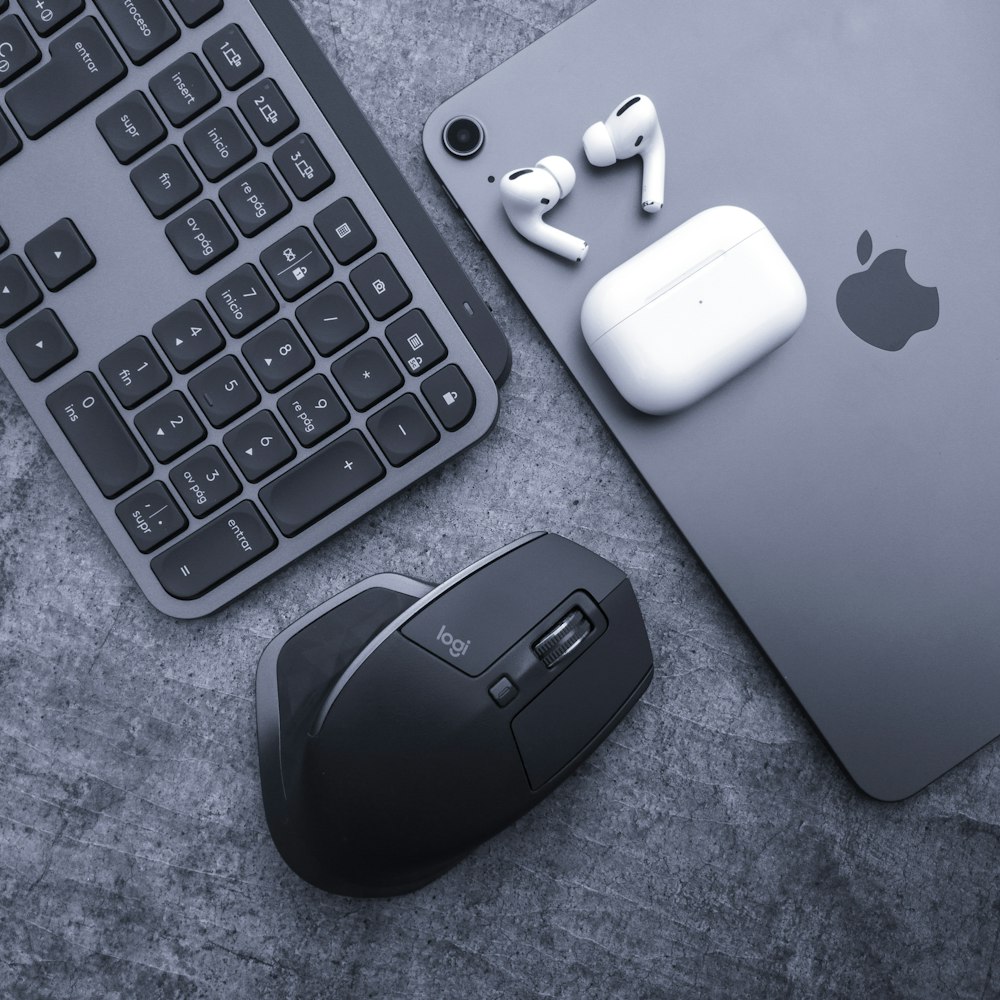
pixel 692 310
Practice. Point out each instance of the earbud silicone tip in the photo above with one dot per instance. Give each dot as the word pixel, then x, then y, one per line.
pixel 598 146
pixel 562 170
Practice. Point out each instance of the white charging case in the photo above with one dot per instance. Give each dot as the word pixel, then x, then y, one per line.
pixel 692 310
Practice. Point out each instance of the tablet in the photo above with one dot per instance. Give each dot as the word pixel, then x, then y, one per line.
pixel 844 492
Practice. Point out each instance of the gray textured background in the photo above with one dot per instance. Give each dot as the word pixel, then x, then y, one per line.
pixel 712 848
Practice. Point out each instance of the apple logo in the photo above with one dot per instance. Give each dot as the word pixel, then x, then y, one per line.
pixel 883 305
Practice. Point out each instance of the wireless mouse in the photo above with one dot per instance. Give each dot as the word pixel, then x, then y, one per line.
pixel 400 725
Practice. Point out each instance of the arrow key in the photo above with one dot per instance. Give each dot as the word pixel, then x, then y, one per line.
pixel 277 355
pixel 259 446
pixel 188 336
pixel 169 426
pixel 41 344
pixel 18 292
pixel 59 254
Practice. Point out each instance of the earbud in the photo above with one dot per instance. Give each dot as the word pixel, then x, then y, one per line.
pixel 529 193
pixel 633 128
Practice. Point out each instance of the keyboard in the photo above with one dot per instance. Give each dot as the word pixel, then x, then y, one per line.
pixel 222 305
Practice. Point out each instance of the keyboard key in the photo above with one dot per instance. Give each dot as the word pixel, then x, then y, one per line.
pixel 194 12
pixel 255 200
pixel 205 482
pixel 169 426
pixel 269 114
pixel 367 375
pixel 331 319
pixel 414 340
pixel 223 391
pixel 451 397
pixel 151 517
pixel 242 300
pixel 134 372
pixel 19 52
pixel 68 81
pixel 219 145
pixel 380 285
pixel 345 232
pixel 277 356
pixel 321 483
pixel 131 127
pixel 184 90
pixel 47 16
pixel 214 553
pixel 41 345
pixel 312 410
pixel 165 182
pixel 98 435
pixel 259 446
pixel 59 254
pixel 142 26
pixel 201 237
pixel 296 264
pixel 188 336
pixel 303 167
pixel 10 141
pixel 18 291
pixel 232 57
pixel 402 430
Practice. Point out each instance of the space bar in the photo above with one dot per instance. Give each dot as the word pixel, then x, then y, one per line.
pixel 83 65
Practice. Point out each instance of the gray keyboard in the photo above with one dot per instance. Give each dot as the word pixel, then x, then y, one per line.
pixel 223 306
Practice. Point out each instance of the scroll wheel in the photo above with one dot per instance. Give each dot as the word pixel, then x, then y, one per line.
pixel 561 640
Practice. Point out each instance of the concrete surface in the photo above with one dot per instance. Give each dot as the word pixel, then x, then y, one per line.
pixel 711 849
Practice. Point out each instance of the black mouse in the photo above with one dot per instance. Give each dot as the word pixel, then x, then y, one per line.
pixel 400 725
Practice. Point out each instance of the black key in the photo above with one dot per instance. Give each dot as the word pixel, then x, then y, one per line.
pixel 188 336
pixel 98 435
pixel 18 291
pixel 296 264
pixel 321 483
pixel 415 341
pixel 193 12
pixel 219 145
pixel 381 287
pixel 165 181
pixel 134 372
pixel 201 237
pixel 169 426
pixel 205 482
pixel 47 16
pixel 259 446
pixel 232 57
pixel 255 200
pixel 10 141
pixel 184 90
pixel 366 374
pixel 223 391
pixel 402 430
pixel 82 66
pixel 345 232
pixel 269 114
pixel 331 319
pixel 142 26
pixel 211 555
pixel 17 51
pixel 131 127
pixel 242 300
pixel 303 167
pixel 151 517
pixel 277 356
pixel 451 397
pixel 312 410
pixel 41 344
pixel 59 254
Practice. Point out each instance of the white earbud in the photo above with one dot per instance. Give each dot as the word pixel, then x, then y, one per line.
pixel 529 193
pixel 633 128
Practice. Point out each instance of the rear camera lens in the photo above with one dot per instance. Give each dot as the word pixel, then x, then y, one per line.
pixel 463 137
